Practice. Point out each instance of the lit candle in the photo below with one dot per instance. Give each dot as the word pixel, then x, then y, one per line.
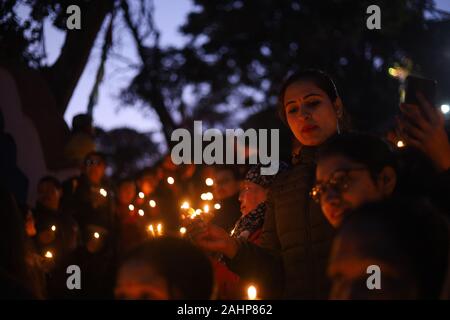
pixel 209 182
pixel 49 255
pixel 141 212
pixel 131 207
pixel 159 229
pixel 170 180
pixel 204 196
pixel 96 235
pixel 209 196
pixel 206 208
pixel 141 195
pixel 400 144
pixel 150 228
pixel 252 293
pixel 183 231
pixel 152 203
pixel 103 192
pixel 185 205
pixel 53 228
pixel 217 206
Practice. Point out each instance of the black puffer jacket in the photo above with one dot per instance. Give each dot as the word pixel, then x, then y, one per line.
pixel 296 239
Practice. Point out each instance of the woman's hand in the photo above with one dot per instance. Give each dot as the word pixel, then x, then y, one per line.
pixel 422 127
pixel 215 239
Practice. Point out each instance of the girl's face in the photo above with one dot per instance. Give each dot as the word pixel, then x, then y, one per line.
pixel 251 196
pixel 311 115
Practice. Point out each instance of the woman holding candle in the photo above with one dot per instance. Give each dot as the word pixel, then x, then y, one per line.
pixel 253 196
pixel 295 242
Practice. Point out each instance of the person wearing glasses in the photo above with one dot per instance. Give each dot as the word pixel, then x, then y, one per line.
pixel 291 260
pixel 353 169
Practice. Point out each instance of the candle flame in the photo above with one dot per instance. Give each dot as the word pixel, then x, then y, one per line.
pixel 209 182
pixel 400 144
pixel 251 292
pixel 185 205
pixel 203 196
pixel 152 203
pixel 159 228
pixel 103 192
pixel 209 196
pixel 183 230
pixel 206 208
pixel 53 228
pixel 96 235
pixel 141 195
pixel 131 207
pixel 141 212
pixel 217 206
pixel 49 254
pixel 170 180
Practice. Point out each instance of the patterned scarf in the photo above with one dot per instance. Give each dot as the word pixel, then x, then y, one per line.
pixel 249 223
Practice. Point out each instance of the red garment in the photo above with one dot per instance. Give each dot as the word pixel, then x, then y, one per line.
pixel 229 284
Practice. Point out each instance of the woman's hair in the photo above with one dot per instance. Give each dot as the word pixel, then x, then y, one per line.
pixel 408 233
pixel 365 149
pixel 322 81
pixel 186 268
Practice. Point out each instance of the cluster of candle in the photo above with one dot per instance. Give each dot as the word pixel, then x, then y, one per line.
pixel 155 231
pixel 141 212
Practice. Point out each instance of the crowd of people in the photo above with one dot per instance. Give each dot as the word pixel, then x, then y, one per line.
pixel 347 202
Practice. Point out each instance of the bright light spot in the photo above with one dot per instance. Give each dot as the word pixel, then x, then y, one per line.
pixel 141 195
pixel 400 144
pixel 159 228
pixel 49 254
pixel 217 206
pixel 96 235
pixel 209 196
pixel 131 207
pixel 198 212
pixel 203 196
pixel 209 182
pixel 445 108
pixel 206 208
pixel 393 72
pixel 150 228
pixel 251 292
pixel 53 228
pixel 170 180
pixel 152 203
pixel 103 192
pixel 185 205
pixel 141 212
pixel 183 230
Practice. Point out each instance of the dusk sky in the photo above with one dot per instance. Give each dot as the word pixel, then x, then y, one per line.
pixel 169 15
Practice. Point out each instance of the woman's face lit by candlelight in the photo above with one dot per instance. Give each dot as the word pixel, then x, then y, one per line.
pixel 251 196
pixel 311 115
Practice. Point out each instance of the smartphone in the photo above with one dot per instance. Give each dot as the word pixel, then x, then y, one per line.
pixel 416 84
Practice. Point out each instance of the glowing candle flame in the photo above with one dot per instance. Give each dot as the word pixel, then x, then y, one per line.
pixel 103 192
pixel 170 180
pixel 206 208
pixel 185 205
pixel 151 229
pixel 53 228
pixel 198 212
pixel 251 293
pixel 159 228
pixel 131 207
pixel 183 230
pixel 141 195
pixel 141 212
pixel 152 203
pixel 217 206
pixel 49 255
pixel 209 196
pixel 400 144
pixel 204 196
pixel 96 235
pixel 209 182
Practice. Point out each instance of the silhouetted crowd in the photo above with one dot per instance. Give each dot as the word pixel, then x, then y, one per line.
pixel 353 216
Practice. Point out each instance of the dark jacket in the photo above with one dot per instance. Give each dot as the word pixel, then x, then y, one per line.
pixel 296 239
